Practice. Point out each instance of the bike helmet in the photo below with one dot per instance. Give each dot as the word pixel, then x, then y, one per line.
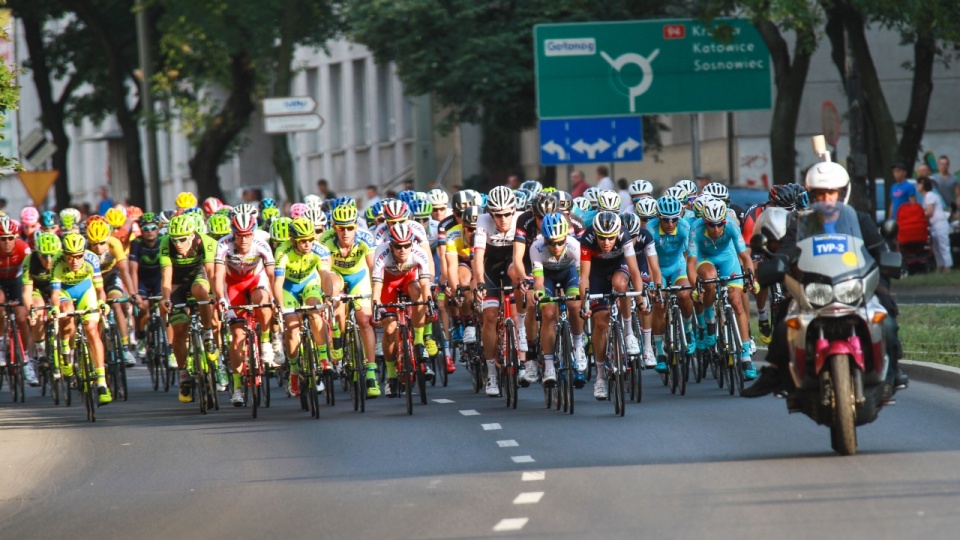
pixel 211 205
pixel 219 225
pixel 554 226
pixel 581 203
pixel 801 196
pixel 607 224
pixel 640 187
pixel 669 207
pixel 772 223
pixel 48 218
pixel 186 200
pixel 309 199
pixel 462 200
pixel 319 219
pixel 395 210
pixel 406 196
pixel 501 199
pixel 147 218
pixel 829 175
pixel 195 211
pixel 243 222
pixel 523 198
pixel 784 196
pixel 377 209
pixel 270 213
pixel 718 190
pixel 29 216
pixel 302 228
pixel 344 214
pixel 470 216
pixel 116 216
pixel 247 208
pixel 608 200
pixel 48 244
pixel 687 185
pixel 97 231
pixel 549 189
pixel 421 209
pixel 74 243
pixel 715 211
pixel 69 217
pixel 591 195
pixel 646 207
pixel 370 216
pixel 165 217
pixel 676 193
pixel 181 226
pixel 630 222
pixel 400 232
pixel 701 201
pixel 9 226
pixel 297 209
pixel 543 204
pixel 533 186
pixel 134 212
pixel 268 203
pixel 438 198
pixel 280 229
pixel 564 201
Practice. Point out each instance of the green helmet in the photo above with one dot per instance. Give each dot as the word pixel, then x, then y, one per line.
pixel 302 228
pixel 147 218
pixel 280 229
pixel 218 225
pixel 270 213
pixel 345 214
pixel 48 244
pixel 74 243
pixel 69 218
pixel 181 226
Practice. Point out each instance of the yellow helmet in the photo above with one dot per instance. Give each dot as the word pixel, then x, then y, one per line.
pixel 186 200
pixel 98 230
pixel 116 217
pixel 302 229
pixel 74 243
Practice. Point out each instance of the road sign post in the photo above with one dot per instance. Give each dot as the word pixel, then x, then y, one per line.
pixel 590 140
pixel 649 67
pixel 284 115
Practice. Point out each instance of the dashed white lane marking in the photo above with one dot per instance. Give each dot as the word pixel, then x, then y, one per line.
pixel 443 401
pixel 470 412
pixel 530 497
pixel 511 524
pixel 534 476
pixel 522 459
pixel 488 427
pixel 507 443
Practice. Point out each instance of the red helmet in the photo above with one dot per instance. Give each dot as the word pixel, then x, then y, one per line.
pixel 242 222
pixel 9 226
pixel 211 205
pixel 400 233
pixel 395 210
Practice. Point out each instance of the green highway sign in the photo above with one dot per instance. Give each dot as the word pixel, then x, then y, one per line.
pixel 661 66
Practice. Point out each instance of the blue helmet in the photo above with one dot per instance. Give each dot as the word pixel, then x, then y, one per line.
pixel 483 200
pixel 347 201
pixel 407 196
pixel 554 226
pixel 268 203
pixel 668 206
pixel 48 218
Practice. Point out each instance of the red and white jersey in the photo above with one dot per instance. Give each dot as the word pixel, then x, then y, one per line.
pixel 383 234
pixel 258 234
pixel 385 263
pixel 11 265
pixel 243 264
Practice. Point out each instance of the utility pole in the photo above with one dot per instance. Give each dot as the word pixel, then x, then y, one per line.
pixel 146 96
pixel 861 187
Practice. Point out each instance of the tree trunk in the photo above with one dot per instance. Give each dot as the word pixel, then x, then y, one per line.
pixel 221 132
pixel 924 52
pixel 282 162
pixel 790 79
pixel 52 114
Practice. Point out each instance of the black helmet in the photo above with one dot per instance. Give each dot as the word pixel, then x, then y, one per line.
pixel 543 204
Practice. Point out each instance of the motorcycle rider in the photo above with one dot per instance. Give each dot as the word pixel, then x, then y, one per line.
pixel 827 183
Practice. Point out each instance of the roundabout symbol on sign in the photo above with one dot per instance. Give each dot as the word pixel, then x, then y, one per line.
pixel 639 61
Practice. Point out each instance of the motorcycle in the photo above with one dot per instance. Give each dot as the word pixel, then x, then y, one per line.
pixel 837 354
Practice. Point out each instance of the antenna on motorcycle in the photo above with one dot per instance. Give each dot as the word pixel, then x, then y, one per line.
pixel 820 148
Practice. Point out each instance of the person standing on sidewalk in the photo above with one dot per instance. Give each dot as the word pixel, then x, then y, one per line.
pixel 939 228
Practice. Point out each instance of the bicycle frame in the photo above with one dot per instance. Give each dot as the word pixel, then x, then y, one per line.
pixel 411 368
pixel 205 385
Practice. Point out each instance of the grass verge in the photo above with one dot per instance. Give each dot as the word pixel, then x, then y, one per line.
pixel 934 279
pixel 930 333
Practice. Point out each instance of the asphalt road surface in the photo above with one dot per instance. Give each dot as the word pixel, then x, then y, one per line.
pixel 704 465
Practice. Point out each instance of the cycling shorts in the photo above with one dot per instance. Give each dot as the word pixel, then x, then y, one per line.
pixel 240 287
pixel 182 293
pixel 149 288
pixel 495 276
pixel 674 272
pixel 356 283
pixel 394 286
pixel 113 283
pixel 295 294
pixel 13 289
pixel 567 278
pixel 602 283
pixel 726 267
pixel 83 296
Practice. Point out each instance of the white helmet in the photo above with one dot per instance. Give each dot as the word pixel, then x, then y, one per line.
pixel 607 224
pixel 646 207
pixel 688 186
pixel 715 211
pixel 438 198
pixel 702 201
pixel 608 200
pixel 640 187
pixel 501 198
pixel 316 216
pixel 718 190
pixel 676 192
pixel 582 203
pixel 772 223
pixel 591 195
pixel 311 198
pixel 829 175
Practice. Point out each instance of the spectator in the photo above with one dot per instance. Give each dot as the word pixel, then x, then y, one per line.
pixel 390 194
pixel 626 203
pixel 106 202
pixel 408 185
pixel 372 196
pixel 702 181
pixel 902 191
pixel 323 189
pixel 948 183
pixel 939 228
pixel 513 181
pixel 579 183
pixel 603 179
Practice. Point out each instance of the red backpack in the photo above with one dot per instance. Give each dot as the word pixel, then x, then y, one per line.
pixel 913 224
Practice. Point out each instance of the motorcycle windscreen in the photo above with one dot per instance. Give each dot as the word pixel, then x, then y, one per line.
pixel 831 244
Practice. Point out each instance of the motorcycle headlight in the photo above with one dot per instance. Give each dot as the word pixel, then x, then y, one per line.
pixel 850 291
pixel 818 294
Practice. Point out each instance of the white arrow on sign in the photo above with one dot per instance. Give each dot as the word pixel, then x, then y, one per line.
pixel 628 145
pixel 553 148
pixel 292 123
pixel 289 105
pixel 591 150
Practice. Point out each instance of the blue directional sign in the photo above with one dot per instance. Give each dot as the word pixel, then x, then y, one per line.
pixel 590 140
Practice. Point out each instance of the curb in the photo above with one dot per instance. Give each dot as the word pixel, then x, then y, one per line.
pixel 932 373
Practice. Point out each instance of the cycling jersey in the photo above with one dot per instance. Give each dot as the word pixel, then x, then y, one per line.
pixel 456 243
pixel 202 251
pixel 79 286
pixel 498 244
pixel 703 246
pixel 542 260
pixel 148 266
pixel 36 275
pixel 750 219
pixel 295 267
pixel 433 234
pixel 609 260
pixel 113 255
pixel 354 261
pixel 576 224
pixel 444 227
pixel 242 264
pixel 12 264
pixel 644 247
pixel 670 246
pixel 384 263
pixel 383 233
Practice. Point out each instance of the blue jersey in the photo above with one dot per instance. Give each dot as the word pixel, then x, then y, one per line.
pixel 705 248
pixel 670 246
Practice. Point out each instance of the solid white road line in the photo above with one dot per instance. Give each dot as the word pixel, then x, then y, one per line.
pixel 443 401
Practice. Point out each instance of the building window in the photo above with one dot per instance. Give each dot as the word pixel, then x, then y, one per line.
pixel 336 107
pixel 360 102
pixel 385 120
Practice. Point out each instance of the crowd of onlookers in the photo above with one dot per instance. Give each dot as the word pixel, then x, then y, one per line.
pixel 937 194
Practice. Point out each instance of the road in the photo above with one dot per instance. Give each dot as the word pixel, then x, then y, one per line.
pixel 704 465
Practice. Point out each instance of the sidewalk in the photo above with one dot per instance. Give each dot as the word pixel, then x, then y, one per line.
pixel 929 372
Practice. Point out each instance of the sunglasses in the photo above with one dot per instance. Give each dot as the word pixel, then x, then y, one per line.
pixel 179 239
pixel 712 225
pixel 244 236
pixel 74 256
pixel 100 243
pixel 149 228
pixel 346 227
pixel 503 215
pixel 607 238
pixel 7 238
pixel 305 240
pixel 670 219
pixel 556 243
pixel 423 220
pixel 400 246
pixel 47 256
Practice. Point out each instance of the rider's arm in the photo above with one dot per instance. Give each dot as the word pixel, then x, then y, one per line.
pixel 124 269
pixel 219 279
pixel 519 248
pixel 585 262
pixel 635 273
pixel 691 269
pixel 478 254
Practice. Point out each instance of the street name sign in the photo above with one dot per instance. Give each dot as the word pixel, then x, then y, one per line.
pixel 590 140
pixel 289 105
pixel 291 123
pixel 664 66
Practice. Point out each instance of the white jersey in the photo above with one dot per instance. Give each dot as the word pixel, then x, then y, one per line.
pixel 258 234
pixel 499 244
pixel 383 233
pixel 385 263
pixel 542 260
pixel 243 264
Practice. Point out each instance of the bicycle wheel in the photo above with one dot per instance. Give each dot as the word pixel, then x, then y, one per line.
pixel 511 364
pixel 406 368
pixel 422 381
pixel 252 382
pixel 87 379
pixel 569 366
pixel 355 376
pixel 313 376
pixel 121 383
pixel 619 371
pixel 17 382
pixel 199 371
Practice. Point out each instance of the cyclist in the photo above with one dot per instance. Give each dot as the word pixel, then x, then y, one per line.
pixel 37 275
pixel 50 222
pixel 77 285
pixel 647 261
pixel 715 245
pixel 297 283
pixel 422 211
pixel 13 251
pixel 401 266
pixel 184 270
pixel 29 224
pixel 351 254
pixel 121 225
pixel 555 261
pixel 144 263
pixel 218 226
pixel 671 236
pixel 492 254
pixel 244 270
pixel 607 263
pixel 115 274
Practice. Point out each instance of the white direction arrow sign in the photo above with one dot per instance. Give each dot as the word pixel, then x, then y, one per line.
pixel 292 123
pixel 628 145
pixel 591 150
pixel 289 105
pixel 553 148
